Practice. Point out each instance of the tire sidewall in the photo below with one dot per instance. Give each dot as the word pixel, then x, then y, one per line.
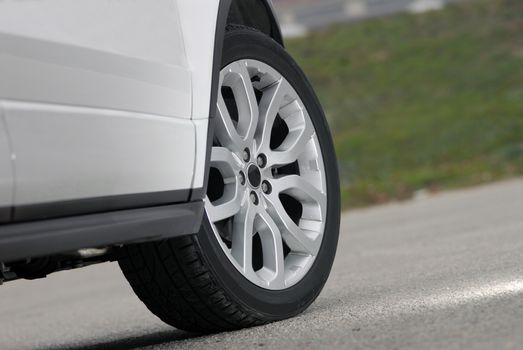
pixel 246 43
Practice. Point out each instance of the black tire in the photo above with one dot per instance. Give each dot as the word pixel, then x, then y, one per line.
pixel 189 282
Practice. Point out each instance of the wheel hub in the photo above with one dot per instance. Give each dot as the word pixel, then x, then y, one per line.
pixel 254 176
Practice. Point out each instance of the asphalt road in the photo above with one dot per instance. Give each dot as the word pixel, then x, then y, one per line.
pixel 441 272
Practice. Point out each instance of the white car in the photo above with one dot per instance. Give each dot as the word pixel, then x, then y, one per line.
pixel 176 137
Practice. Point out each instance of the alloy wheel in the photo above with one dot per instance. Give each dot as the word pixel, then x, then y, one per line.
pixel 266 199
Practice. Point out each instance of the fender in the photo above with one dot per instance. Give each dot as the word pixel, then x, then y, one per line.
pixel 258 14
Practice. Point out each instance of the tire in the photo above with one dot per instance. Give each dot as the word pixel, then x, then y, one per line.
pixel 190 282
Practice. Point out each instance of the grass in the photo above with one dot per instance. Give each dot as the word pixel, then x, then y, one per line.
pixel 430 101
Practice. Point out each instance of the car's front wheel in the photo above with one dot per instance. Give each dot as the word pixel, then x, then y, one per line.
pixel 269 237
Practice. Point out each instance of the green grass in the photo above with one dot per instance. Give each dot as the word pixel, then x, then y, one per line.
pixel 430 101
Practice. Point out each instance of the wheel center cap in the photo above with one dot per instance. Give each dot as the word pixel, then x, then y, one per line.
pixel 254 175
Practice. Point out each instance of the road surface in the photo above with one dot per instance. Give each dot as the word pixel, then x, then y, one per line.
pixel 441 272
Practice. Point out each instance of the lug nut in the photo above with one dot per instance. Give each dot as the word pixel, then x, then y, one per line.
pixel 254 198
pixel 242 178
pixel 261 160
pixel 246 155
pixel 266 187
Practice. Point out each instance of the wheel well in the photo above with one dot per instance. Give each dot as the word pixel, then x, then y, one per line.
pixel 257 14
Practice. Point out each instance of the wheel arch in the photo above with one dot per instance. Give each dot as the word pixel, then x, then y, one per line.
pixel 258 14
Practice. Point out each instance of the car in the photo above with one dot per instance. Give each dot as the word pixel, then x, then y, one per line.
pixel 178 139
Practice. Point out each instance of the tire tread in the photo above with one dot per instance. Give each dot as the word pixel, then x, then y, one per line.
pixel 172 280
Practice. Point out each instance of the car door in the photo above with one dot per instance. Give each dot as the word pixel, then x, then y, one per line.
pixel 6 173
pixel 97 98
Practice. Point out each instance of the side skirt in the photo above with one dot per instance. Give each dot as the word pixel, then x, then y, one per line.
pixel 47 237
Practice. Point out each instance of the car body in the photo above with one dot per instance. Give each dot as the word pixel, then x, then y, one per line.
pixel 93 95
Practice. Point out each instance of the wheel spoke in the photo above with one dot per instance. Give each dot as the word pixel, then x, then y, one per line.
pixel 294 144
pixel 295 237
pixel 230 202
pixel 304 237
pixel 237 77
pixel 224 160
pixel 247 104
pixel 298 187
pixel 221 210
pixel 273 255
pixel 270 104
pixel 243 231
pixel 225 130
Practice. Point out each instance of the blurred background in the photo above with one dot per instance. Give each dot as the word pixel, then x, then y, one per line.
pixel 421 95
